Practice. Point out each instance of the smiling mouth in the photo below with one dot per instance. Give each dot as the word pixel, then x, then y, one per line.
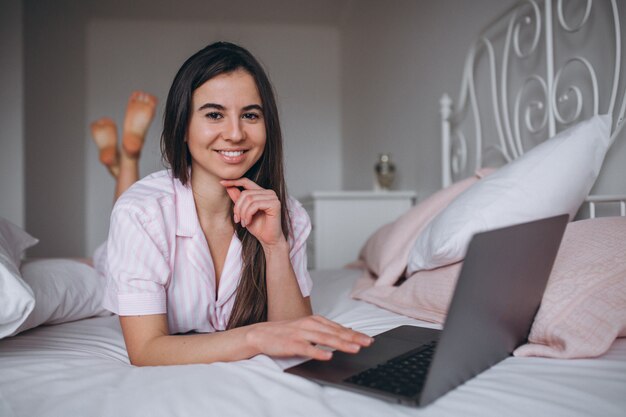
pixel 232 154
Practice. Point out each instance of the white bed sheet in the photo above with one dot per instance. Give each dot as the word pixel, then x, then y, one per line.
pixel 81 369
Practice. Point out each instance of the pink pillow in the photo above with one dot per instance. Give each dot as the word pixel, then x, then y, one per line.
pixel 583 308
pixel 386 252
pixel 425 295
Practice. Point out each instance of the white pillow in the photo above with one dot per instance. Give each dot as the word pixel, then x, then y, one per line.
pixel 14 241
pixel 552 178
pixel 16 297
pixel 64 289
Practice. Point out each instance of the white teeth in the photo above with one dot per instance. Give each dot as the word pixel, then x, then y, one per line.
pixel 231 154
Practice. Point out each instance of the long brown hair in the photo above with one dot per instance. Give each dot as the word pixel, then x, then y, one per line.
pixel 223 58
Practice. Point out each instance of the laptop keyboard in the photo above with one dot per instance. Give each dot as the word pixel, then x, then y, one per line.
pixel 403 375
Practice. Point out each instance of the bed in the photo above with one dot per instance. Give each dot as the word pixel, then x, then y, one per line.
pixel 81 369
pixel 68 358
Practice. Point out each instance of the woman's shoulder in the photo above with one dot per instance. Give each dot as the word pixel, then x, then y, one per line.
pixel 152 192
pixel 295 208
pixel 298 217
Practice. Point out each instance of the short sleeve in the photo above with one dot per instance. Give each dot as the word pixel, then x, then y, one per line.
pixel 137 263
pixel 300 230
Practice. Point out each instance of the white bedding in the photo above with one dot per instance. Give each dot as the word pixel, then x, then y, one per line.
pixel 81 369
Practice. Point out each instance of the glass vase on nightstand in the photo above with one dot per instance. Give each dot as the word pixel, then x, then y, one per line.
pixel 385 171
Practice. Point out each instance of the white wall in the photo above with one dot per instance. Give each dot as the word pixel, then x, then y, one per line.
pixel 303 63
pixel 11 113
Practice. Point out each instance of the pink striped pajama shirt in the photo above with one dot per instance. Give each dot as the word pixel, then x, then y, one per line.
pixel 157 260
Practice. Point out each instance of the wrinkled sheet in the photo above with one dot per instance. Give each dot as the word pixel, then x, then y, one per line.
pixel 81 369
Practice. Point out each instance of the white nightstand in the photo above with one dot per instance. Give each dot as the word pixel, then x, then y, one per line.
pixel 343 220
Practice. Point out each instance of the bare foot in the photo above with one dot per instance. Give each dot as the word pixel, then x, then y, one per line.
pixel 139 114
pixel 104 134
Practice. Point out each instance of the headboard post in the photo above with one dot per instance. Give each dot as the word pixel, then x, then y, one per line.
pixel 445 111
pixel 549 66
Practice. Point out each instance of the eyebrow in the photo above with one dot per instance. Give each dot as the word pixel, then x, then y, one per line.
pixel 253 107
pixel 212 106
pixel 220 107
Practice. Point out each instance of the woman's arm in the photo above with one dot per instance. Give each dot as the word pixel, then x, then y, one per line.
pixel 284 298
pixel 289 333
pixel 259 210
pixel 148 342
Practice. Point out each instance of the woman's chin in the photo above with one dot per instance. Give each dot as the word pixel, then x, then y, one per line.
pixel 232 175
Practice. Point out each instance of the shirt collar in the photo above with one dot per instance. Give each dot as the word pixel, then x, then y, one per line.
pixel 186 218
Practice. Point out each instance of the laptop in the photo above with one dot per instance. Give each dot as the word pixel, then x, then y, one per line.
pixel 497 295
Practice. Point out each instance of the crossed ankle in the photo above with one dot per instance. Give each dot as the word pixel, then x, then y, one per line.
pixel 132 145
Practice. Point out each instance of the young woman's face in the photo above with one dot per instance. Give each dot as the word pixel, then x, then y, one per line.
pixel 226 135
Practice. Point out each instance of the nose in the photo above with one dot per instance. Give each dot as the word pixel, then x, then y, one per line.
pixel 234 131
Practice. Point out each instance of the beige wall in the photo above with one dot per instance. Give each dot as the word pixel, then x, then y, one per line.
pixel 53 127
pixel 83 58
pixel 11 113
pixel 401 56
pixel 303 62
pixel 353 77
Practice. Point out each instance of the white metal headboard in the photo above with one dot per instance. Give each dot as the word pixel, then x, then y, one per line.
pixel 524 37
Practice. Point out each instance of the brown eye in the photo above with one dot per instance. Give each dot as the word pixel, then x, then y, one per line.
pixel 251 116
pixel 214 115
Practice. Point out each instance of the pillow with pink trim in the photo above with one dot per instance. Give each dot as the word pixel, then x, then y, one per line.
pixel 386 252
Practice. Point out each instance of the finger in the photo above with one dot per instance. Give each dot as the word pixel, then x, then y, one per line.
pixel 234 193
pixel 323 320
pixel 344 332
pixel 244 182
pixel 330 340
pixel 316 353
pixel 248 194
pixel 252 207
pixel 332 324
pixel 250 203
pixel 306 349
pixel 349 336
pixel 243 196
pixel 327 325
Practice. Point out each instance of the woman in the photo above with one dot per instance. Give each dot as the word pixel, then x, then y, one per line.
pixel 214 246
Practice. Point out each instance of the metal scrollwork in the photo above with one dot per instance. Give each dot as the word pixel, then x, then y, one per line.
pixel 557 96
pixel 532 107
pixel 573 92
pixel 526 21
pixel 514 144
pixel 580 24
